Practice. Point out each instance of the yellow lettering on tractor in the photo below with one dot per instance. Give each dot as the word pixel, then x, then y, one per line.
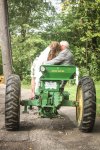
pixel 57 70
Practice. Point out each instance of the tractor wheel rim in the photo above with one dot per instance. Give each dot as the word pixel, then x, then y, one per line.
pixel 79 108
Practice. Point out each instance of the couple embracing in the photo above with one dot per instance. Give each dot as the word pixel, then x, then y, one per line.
pixel 55 54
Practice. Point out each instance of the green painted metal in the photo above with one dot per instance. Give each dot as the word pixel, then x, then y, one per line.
pixel 29 102
pixel 50 95
pixel 58 72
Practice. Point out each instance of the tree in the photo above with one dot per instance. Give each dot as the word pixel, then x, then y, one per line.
pixel 5 39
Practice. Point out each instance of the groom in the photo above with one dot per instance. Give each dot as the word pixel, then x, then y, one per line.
pixel 65 57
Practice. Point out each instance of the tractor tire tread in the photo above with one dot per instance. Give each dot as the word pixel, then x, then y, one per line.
pixel 89 112
pixel 12 103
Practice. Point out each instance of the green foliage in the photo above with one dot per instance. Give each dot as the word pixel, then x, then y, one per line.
pixel 25 16
pixel 25 52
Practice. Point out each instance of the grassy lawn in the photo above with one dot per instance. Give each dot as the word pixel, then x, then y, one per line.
pixel 98 97
pixel 26 86
pixel 72 90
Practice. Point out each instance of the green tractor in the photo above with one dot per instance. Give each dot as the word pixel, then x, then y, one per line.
pixel 51 96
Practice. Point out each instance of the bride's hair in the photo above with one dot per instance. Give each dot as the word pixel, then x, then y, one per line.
pixel 54 50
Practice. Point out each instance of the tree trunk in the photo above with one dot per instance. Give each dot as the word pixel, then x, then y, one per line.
pixel 5 39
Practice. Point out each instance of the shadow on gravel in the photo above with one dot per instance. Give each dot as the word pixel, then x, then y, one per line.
pixel 62 123
pixel 97 126
pixel 26 126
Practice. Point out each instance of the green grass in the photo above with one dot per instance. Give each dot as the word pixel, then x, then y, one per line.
pixel 72 90
pixel 26 86
pixel 97 85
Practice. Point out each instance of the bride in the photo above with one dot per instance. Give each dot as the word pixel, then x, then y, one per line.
pixel 48 54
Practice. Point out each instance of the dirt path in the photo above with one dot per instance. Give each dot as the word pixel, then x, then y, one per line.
pixel 47 134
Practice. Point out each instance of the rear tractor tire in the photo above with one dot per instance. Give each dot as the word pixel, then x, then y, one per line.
pixel 86 110
pixel 12 103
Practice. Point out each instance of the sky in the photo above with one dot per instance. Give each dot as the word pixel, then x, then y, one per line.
pixel 56 4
